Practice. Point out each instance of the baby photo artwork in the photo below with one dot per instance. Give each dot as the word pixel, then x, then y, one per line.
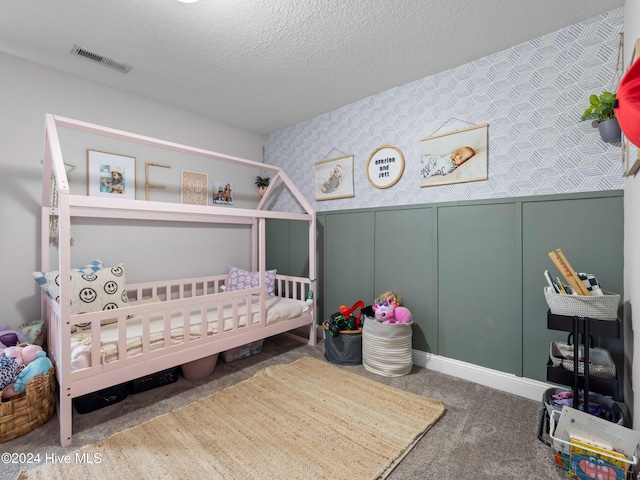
pixel 454 157
pixel 111 175
pixel 334 178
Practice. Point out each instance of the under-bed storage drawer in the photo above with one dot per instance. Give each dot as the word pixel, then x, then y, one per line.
pixel 155 380
pixel 242 351
pixel 100 399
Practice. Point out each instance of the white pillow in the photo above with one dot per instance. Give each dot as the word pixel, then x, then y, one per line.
pixel 49 282
pixel 101 290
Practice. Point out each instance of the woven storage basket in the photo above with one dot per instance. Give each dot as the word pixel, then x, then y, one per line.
pixel 386 348
pixel 34 408
pixel 600 364
pixel 604 307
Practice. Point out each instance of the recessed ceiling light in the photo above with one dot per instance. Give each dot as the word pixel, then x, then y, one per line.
pixel 187 1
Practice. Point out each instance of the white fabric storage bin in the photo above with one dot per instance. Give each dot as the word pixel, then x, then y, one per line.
pixel 386 348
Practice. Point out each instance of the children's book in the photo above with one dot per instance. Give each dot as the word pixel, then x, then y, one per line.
pixel 589 460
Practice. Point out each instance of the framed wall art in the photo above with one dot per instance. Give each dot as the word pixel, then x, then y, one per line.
pixel 222 193
pixel 454 157
pixel 194 188
pixel 385 166
pixel 111 175
pixel 334 178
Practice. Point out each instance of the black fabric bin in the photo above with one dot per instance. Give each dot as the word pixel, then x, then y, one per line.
pixel 343 349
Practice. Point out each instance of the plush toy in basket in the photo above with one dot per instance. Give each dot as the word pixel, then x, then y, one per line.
pixel 390 312
pixel 18 365
pixel 27 383
pixel 30 410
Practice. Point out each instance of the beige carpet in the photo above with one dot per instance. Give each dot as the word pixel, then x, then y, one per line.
pixel 305 420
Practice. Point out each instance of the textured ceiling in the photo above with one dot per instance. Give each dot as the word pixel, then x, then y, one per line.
pixel 266 64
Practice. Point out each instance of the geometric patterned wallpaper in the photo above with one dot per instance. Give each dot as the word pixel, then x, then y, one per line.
pixel 531 95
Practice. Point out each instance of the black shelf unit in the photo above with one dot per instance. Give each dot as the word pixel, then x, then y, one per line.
pixel 582 328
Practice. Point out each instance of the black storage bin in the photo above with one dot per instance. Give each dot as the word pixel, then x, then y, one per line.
pixel 155 380
pixel 100 399
pixel 345 348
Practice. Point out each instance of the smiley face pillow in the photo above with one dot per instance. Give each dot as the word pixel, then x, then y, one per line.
pixel 100 290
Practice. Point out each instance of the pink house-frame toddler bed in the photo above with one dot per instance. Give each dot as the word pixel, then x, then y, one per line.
pixel 162 323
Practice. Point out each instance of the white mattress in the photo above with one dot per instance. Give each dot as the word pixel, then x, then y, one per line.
pixel 278 309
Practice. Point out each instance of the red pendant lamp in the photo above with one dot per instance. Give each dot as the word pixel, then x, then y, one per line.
pixel 627 105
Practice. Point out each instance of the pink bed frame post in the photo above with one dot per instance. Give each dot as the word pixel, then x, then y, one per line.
pixel 61 336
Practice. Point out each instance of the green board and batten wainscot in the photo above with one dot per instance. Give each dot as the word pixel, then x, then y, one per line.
pixel 471 271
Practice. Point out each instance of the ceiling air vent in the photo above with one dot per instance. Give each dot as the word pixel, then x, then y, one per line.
pixel 96 57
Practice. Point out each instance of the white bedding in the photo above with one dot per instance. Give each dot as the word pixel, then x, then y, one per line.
pixel 277 309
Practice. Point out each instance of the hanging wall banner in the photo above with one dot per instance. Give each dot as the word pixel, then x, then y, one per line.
pixel 334 178
pixel 385 166
pixel 454 157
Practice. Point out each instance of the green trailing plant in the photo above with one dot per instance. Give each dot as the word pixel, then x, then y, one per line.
pixel 262 182
pixel 600 108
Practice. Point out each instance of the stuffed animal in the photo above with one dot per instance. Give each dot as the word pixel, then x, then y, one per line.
pixel 9 371
pixel 384 312
pixel 39 366
pixel 10 337
pixel 23 354
pixel 384 297
pixel 389 312
pixel 403 315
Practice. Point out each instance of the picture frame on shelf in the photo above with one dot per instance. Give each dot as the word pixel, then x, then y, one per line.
pixel 111 175
pixel 194 188
pixel 222 193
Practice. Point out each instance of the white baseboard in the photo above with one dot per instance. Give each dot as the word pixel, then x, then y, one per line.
pixel 524 387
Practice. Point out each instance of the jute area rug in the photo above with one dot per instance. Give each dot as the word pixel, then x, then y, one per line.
pixel 305 420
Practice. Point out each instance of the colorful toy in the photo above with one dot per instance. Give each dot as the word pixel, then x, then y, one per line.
pixel 10 337
pixel 345 319
pixel 9 371
pixel 403 315
pixel 39 366
pixel 384 298
pixel 23 355
pixel 347 312
pixel 384 312
pixel 389 312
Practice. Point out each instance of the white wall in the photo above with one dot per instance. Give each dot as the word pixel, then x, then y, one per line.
pixel 27 92
pixel 631 241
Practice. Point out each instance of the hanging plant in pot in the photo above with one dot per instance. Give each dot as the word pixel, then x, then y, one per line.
pixel 262 183
pixel 600 113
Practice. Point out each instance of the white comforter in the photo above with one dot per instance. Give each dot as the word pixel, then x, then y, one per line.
pixel 277 309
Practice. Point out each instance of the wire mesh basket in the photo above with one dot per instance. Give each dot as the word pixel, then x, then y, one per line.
pixel 583 461
pixel 600 361
pixel 604 307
